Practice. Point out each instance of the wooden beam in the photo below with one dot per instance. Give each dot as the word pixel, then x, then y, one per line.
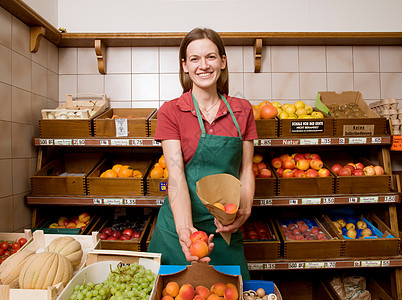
pixel 36 34
pixel 100 50
pixel 257 55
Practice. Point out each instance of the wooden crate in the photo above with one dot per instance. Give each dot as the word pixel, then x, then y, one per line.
pixel 65 128
pixel 126 186
pixel 156 186
pixel 265 187
pixel 137 122
pixel 306 128
pixel 152 124
pixel 150 232
pixel 267 128
pixel 373 125
pixel 65 176
pixel 263 250
pixel 385 245
pixel 312 249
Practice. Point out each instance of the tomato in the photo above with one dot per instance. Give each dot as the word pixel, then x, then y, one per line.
pixel 22 241
pixel 16 246
pixel 2 259
pixel 4 245
pixel 7 253
pixel 1 251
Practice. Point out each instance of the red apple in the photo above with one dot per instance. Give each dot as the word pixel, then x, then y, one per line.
pixel 379 170
pixel 257 158
pixel 112 238
pixel 261 166
pixel 255 170
pixel 84 217
pixel 288 163
pixel 335 168
pixel 107 230
pixel 298 156
pixel 311 173
pixel 302 164
pixel 128 231
pixel 103 236
pixel 369 170
pixel 283 156
pixel 315 156
pixel 288 173
pixel 315 229
pixel 307 155
pixel 199 235
pixel 351 164
pixel 265 173
pixel 124 237
pixel 316 164
pixel 351 168
pixel 358 172
pixel 300 173
pixel 280 172
pixel 136 234
pixel 345 172
pixel 116 233
pixel 359 165
pixel 323 172
pixel 276 162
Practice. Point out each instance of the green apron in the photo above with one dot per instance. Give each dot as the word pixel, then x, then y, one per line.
pixel 214 155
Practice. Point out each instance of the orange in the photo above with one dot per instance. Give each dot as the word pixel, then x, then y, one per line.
pixel 268 112
pixel 125 172
pixel 116 168
pixel 137 174
pixel 109 173
pixel 256 113
pixel 162 162
pixel 157 172
pixel 259 106
pixel 165 173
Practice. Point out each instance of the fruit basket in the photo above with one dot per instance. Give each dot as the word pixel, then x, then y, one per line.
pixel 123 122
pixel 74 118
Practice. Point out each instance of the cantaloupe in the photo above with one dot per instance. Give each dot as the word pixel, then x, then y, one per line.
pixel 68 247
pixel 10 269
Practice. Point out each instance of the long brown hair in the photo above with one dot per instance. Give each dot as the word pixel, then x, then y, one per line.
pixel 198 34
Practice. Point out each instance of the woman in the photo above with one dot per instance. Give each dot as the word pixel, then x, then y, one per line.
pixel 203 132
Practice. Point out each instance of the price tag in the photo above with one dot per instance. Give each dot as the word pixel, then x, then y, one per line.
pixel 136 142
pixel 311 200
pixel 325 141
pixel 330 200
pixel 113 201
pixel 330 264
pixel 265 202
pixel 122 142
pixel 97 201
pixel 353 200
pixel 159 201
pixel 368 199
pixel 104 142
pixel 79 142
pixel 255 266
pixel 63 142
pixel 269 266
pixel 156 143
pixel 396 143
pixel 293 201
pixel 315 265
pixel 389 199
pixel 296 265
pixel 256 142
pixel 341 141
pixel 356 264
pixel 45 142
pixel 265 142
pixel 290 142
pixel 385 263
pixel 370 263
pixel 130 202
pixel 121 127
pixel 309 142
pixel 376 140
pixel 357 140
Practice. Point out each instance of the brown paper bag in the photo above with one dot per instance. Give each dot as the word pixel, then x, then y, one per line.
pixel 221 188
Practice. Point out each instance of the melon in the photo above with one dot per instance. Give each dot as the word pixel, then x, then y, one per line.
pixel 45 269
pixel 10 269
pixel 68 247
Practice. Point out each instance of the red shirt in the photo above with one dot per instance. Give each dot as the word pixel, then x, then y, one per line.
pixel 177 120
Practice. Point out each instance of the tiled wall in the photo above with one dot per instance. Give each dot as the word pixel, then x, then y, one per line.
pixel 28 83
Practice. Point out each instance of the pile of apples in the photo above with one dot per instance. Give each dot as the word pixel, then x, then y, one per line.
pixel 186 291
pixel 356 169
pixel 109 234
pixel 259 167
pixel 72 222
pixel 299 165
pixel 255 230
pixel 301 231
pixel 353 230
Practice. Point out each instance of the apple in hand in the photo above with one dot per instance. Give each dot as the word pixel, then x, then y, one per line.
pixel 199 235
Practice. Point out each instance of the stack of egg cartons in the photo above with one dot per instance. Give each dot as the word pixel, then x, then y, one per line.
pixel 388 108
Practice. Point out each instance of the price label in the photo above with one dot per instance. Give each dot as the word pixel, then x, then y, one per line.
pixel 330 200
pixel 368 199
pixel 269 266
pixel 396 143
pixel 256 142
pixel 293 201
pixel 265 142
pixel 45 142
pixel 315 265
pixel 159 201
pixel 385 263
pixel 311 200
pixel 290 142
pixel 389 199
pixel 97 201
pixel 156 143
pixel 120 142
pixel 370 263
pixel 129 202
pixel 353 200
pixel 376 140
pixel 137 142
pixel 330 265
pixel 357 140
pixel 111 201
pixel 296 265
pixel 341 141
pixel 356 264
pixel 79 142
pixel 265 202
pixel 63 142
pixel 309 142
pixel 104 142
pixel 121 127
pixel 255 266
pixel 325 141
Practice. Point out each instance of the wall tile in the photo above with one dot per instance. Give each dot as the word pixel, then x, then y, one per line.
pixel 118 60
pixel 311 84
pixel 145 87
pixel 258 86
pixel 339 82
pixel 285 86
pixel 235 58
pixel 120 104
pixel 390 59
pixel 5 64
pixel 21 141
pixel 365 59
pixel 169 60
pixel 145 59
pixel 236 86
pixel 68 60
pixel 22 213
pixel 53 58
pixel 39 80
pixel 248 53
pixel 21 174
pixel 41 56
pixel 5 111
pixel 21 71
pixel 68 84
pixel 145 104
pixel 87 62
pixel 170 87
pixel 5 28
pixel 20 37
pixel 52 85
pixel 391 86
pixel 285 59
pixel 6 182
pixel 312 59
pixel 91 84
pixel 5 145
pixel 368 84
pixel 21 106
pixel 6 218
pixel 118 87
pixel 339 59
pixel 39 103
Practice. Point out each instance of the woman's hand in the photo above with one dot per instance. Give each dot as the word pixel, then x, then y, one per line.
pixel 241 217
pixel 185 242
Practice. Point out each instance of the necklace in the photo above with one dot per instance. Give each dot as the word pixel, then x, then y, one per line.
pixel 207 110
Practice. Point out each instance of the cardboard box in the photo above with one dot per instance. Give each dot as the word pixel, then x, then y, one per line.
pixel 268 286
pixel 131 122
pixel 373 125
pixel 197 274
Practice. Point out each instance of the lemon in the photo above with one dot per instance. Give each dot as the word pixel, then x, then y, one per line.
pixel 285 105
pixel 305 117
pixel 299 104
pixel 283 115
pixel 292 116
pixel 309 109
pixel 276 104
pixel 279 109
pixel 317 114
pixel 301 111
pixel 291 109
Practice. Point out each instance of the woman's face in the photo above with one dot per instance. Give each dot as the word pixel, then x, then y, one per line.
pixel 203 63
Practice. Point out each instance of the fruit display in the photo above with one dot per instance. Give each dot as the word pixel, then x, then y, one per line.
pixel 259 294
pixel 356 169
pixel 124 228
pixel 186 291
pixel 302 229
pixel 122 171
pixel 354 228
pixel 126 281
pixel 264 110
pixel 69 247
pixel 299 165
pixel 80 221
pixel 297 110
pixel 346 110
pixel 260 168
pixel 159 169
pixel 256 230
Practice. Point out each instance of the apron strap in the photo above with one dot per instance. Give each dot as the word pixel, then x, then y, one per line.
pixel 200 121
